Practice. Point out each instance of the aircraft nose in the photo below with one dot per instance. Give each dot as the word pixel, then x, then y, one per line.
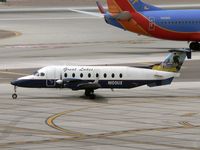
pixel 14 82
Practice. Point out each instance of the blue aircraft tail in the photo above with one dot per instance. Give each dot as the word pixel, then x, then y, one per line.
pixel 139 5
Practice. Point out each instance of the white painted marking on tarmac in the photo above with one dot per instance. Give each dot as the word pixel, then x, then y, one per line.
pixel 32 19
pixel 53 9
pixel 50 9
pixel 88 13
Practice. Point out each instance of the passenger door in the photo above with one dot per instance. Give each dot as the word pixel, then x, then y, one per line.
pixel 152 24
pixel 51 78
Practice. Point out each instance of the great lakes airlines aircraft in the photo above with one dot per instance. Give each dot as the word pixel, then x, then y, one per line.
pixel 90 78
pixel 145 19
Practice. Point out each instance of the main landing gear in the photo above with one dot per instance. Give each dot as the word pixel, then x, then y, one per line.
pixel 90 93
pixel 14 95
pixel 195 46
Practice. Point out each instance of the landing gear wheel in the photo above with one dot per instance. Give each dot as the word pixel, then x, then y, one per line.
pixel 195 46
pixel 14 96
pixel 90 94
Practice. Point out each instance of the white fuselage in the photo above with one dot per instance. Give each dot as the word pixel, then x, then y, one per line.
pixel 106 76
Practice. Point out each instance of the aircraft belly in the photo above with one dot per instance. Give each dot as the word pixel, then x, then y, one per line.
pixel 111 84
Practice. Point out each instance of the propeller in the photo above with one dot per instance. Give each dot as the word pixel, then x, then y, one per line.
pixel 60 81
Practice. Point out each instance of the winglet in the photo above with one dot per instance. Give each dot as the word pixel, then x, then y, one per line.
pixel 100 6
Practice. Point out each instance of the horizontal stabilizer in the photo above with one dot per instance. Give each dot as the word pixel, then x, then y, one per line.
pixel 187 51
pixel 161 82
pixel 124 15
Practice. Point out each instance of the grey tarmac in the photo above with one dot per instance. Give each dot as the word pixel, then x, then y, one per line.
pixel 140 119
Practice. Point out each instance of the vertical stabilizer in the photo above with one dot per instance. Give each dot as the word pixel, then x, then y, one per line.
pixel 112 6
pixel 174 61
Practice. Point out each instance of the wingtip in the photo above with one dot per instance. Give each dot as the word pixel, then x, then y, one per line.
pixel 100 6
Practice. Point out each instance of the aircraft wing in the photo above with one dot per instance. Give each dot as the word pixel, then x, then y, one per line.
pixel 78 84
pixel 70 80
pixel 89 85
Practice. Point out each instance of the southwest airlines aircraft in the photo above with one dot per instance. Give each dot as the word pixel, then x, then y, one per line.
pixel 90 78
pixel 145 19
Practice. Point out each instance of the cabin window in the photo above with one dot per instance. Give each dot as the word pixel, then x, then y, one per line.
pixel 113 75
pixel 81 75
pixel 120 75
pixel 89 75
pixel 105 75
pixel 73 75
pixel 65 75
pixel 97 75
pixel 42 74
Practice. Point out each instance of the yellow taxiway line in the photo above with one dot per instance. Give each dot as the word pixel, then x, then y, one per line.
pixel 50 122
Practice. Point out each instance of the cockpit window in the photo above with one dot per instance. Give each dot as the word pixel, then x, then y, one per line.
pixel 42 74
pixel 36 73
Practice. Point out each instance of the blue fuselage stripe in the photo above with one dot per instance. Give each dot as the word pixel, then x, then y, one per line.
pixel 176 20
pixel 73 85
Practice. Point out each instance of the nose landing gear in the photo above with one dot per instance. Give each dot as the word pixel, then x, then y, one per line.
pixel 14 95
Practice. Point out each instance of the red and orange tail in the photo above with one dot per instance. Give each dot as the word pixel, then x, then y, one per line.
pixel 117 6
pixel 113 7
pixel 130 5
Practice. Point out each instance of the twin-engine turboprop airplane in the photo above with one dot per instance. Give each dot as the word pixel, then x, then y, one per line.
pixel 145 19
pixel 90 78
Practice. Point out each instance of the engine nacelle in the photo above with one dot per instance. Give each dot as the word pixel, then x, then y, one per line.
pixel 59 82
